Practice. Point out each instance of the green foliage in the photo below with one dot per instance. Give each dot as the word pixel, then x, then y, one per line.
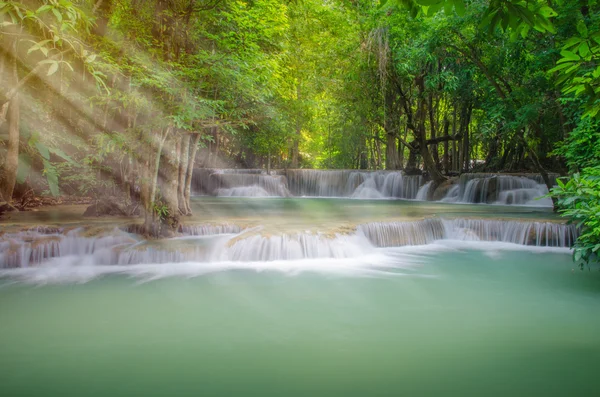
pixel 579 200
pixel 161 210
pixel 581 149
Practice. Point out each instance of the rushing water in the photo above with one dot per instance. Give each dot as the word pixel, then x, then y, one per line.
pixel 299 297
pixel 503 189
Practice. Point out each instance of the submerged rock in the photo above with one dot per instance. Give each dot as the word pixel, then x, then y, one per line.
pixel 441 191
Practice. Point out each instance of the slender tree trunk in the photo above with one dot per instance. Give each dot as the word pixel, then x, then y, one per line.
pixel 8 177
pixel 446 144
pixel 392 162
pixel 401 148
pixel 363 162
pixel 391 149
pixel 183 166
pixel 454 143
pixel 190 171
pixel 295 151
pixel 432 127
pixel 430 165
pixel 169 172
pixel 466 143
pixel 151 226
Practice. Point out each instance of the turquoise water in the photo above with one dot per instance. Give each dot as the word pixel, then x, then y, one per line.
pixel 456 319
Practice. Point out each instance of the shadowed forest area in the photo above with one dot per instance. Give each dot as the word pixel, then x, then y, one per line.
pixel 125 98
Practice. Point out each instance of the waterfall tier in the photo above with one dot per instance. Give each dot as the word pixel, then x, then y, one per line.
pixel 306 183
pixel 211 243
pixel 500 189
pixel 539 234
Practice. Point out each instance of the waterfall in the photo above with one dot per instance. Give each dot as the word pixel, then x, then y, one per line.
pixel 352 183
pixel 423 191
pixel 208 181
pixel 540 234
pixel 227 242
pixel 209 230
pixel 306 183
pixel 296 246
pixel 500 189
pixel 397 234
pixel 32 247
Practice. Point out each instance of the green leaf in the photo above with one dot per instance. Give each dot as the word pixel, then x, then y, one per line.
pixel 433 9
pixel 584 49
pixel 560 67
pixel 43 150
pixel 43 9
pixel 459 7
pixel 24 167
pixel 547 12
pixel 429 2
pixel 57 14
pixel 52 177
pixel 571 42
pixel 53 68
pixel 582 29
pixel 570 56
pixel 63 155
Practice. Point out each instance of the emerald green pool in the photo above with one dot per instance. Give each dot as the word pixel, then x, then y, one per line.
pixel 455 319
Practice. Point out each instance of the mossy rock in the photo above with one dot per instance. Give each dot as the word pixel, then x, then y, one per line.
pixel 441 191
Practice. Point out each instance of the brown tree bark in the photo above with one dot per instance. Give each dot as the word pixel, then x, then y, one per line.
pixel 184 153
pixel 445 158
pixel 8 176
pixel 190 171
pixel 169 178
pixel 434 173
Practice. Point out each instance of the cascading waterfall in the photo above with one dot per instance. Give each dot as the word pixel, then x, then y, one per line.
pixel 500 189
pixel 353 183
pixel 210 243
pixel 296 246
pixel 208 181
pixel 306 183
pixel 539 234
pixel 423 192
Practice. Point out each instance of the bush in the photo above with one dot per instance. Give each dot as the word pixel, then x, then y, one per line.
pixel 579 199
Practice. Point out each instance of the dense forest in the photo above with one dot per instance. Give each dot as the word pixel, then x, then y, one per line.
pixel 128 96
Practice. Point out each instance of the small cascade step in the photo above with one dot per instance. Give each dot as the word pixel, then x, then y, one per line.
pixel 229 242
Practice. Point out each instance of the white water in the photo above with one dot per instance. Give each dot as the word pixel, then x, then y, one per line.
pixel 229 243
pixel 306 183
pixel 423 192
pixel 499 189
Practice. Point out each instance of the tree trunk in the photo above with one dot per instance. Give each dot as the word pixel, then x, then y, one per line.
pixel 430 165
pixel 8 177
pixel 190 171
pixel 392 162
pixel 466 143
pixel 363 162
pixel 183 166
pixel 295 152
pixel 432 127
pixel 401 148
pixel 446 144
pixel 151 227
pixel 169 172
